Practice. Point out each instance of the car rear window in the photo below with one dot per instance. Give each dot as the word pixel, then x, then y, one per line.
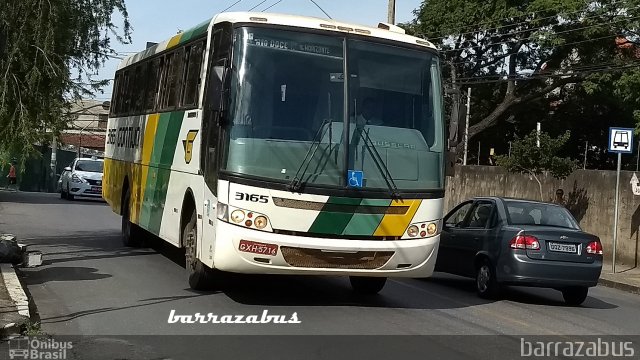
pixel 530 213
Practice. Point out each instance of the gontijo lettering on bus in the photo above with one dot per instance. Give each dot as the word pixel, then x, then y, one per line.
pixel 124 136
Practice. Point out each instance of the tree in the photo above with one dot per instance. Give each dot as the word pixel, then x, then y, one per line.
pixel 516 53
pixel 526 157
pixel 49 50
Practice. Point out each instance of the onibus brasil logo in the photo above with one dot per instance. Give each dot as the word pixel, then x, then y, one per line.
pixel 38 348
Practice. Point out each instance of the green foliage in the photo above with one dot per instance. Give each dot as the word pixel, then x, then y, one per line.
pixel 527 157
pixel 49 50
pixel 520 57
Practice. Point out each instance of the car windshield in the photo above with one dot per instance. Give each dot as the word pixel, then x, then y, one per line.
pixel 89 166
pixel 530 213
pixel 288 101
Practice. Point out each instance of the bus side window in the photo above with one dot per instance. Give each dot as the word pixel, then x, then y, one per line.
pixel 192 74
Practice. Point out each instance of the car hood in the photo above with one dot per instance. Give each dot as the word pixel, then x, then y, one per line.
pixel 89 175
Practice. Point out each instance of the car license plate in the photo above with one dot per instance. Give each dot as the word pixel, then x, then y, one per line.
pixel 566 248
pixel 258 248
pixel 96 189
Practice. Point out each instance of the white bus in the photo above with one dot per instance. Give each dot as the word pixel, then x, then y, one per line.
pixel 278 144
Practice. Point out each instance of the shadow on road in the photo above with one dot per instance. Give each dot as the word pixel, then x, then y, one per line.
pixel 44 199
pixel 49 274
pixel 517 294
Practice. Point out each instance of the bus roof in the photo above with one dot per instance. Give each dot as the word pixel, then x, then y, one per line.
pixel 384 31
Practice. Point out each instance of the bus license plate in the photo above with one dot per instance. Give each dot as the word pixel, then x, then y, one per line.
pixel 565 248
pixel 258 248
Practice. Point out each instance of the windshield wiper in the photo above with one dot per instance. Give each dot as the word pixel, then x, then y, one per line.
pixel 296 182
pixel 377 159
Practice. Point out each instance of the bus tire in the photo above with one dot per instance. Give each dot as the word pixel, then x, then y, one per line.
pixel 367 285
pixel 199 273
pixel 131 234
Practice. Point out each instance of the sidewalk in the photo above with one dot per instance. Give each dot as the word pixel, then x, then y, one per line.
pixel 624 279
pixel 14 303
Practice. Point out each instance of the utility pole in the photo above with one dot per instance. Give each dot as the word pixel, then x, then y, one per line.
pixel 466 126
pixel 538 135
pixel 54 153
pixel 586 149
pixel 391 16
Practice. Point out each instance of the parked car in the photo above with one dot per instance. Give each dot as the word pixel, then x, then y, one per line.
pixel 82 178
pixel 502 241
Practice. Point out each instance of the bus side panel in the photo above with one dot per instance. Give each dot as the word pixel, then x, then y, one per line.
pixel 123 152
pixel 183 179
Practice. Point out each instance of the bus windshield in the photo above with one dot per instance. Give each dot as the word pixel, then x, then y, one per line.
pixel 288 113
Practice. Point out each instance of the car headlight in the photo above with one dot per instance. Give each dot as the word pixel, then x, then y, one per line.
pixel 76 179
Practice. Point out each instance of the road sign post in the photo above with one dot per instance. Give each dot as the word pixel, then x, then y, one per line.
pixel 620 142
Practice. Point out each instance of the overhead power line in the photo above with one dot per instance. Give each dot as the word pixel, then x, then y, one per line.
pixel 520 23
pixel 584 71
pixel 587 2
pixel 232 5
pixel 260 3
pixel 321 9
pixel 269 7
pixel 555 33
pixel 558 46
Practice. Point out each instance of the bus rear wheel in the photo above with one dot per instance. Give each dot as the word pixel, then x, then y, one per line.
pixel 367 285
pixel 131 234
pixel 200 276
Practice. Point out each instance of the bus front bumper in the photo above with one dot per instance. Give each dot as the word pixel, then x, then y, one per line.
pixel 269 253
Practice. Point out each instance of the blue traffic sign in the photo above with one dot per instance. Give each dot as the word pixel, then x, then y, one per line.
pixel 355 178
pixel 621 140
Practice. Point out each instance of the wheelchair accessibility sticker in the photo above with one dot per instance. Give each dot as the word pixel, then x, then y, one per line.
pixel 355 178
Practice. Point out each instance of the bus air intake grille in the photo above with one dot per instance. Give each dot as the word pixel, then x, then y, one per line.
pixel 314 258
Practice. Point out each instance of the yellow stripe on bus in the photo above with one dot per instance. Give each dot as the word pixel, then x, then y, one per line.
pixel 147 150
pixel 174 41
pixel 396 224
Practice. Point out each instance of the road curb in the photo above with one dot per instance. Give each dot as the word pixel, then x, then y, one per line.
pixel 17 296
pixel 620 286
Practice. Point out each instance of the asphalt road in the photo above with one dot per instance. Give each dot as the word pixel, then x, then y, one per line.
pixel 90 285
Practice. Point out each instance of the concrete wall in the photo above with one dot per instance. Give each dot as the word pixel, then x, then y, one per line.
pixel 590 195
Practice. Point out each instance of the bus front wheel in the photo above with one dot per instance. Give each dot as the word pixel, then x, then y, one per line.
pixel 199 274
pixel 367 285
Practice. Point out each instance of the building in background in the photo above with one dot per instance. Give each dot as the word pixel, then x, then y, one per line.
pixel 87 131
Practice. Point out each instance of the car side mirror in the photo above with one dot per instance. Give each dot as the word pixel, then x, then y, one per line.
pixel 68 168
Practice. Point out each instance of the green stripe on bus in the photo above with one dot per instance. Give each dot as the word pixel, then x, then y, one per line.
pixel 334 223
pixel 365 224
pixel 195 31
pixel 147 202
pixel 171 130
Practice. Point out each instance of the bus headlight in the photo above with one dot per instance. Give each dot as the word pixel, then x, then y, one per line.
pixel 432 228
pixel 237 216
pixel 412 231
pixel 260 222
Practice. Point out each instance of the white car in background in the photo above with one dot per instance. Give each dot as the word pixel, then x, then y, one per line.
pixel 82 178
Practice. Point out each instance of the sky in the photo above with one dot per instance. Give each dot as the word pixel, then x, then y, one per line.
pixel 158 20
